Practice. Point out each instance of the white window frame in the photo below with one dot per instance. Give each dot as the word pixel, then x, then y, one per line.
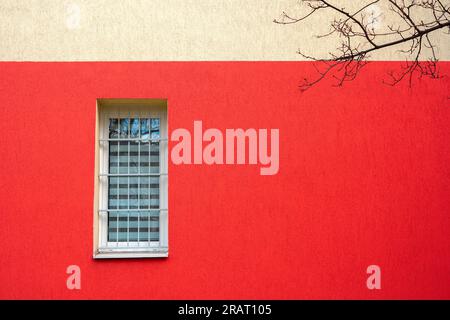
pixel 132 108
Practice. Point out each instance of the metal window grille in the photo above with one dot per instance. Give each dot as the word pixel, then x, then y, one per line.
pixel 134 213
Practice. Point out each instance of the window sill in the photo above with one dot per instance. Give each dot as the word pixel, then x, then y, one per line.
pixel 118 254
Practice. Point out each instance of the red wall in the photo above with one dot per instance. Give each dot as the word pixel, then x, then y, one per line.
pixel 364 179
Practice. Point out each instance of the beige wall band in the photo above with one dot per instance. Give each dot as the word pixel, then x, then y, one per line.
pixel 169 30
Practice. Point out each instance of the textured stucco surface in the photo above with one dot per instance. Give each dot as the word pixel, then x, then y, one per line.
pixel 113 30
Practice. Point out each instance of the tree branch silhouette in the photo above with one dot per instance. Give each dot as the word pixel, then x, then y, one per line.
pixel 359 37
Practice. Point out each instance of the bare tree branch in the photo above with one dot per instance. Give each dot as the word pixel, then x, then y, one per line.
pixel 359 37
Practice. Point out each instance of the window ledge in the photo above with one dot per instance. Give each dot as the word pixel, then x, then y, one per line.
pixel 117 254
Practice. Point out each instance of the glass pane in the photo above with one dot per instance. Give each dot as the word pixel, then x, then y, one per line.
pixel 113 128
pixel 123 157
pixel 134 157
pixel 155 128
pixel 135 128
pixel 145 129
pixel 154 158
pixel 133 226
pixel 124 127
pixel 113 157
pixel 118 226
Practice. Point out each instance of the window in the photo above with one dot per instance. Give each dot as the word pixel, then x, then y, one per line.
pixel 131 216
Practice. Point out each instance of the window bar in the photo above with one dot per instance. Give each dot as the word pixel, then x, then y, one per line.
pixel 134 175
pixel 136 139
pixel 118 179
pixel 101 167
pixel 160 184
pixel 128 184
pixel 139 180
pixel 149 215
pixel 100 182
pixel 125 210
